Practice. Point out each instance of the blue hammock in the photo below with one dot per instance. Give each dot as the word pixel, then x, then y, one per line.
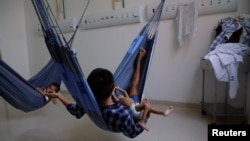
pixel 69 67
pixel 21 93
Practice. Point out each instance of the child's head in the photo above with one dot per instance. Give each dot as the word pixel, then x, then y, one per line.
pixel 101 82
pixel 53 87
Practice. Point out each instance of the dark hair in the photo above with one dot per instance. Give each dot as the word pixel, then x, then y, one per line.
pixel 101 82
pixel 56 85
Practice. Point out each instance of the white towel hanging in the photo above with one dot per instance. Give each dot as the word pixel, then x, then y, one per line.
pixel 187 17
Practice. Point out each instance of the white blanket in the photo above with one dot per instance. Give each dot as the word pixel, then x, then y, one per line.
pixel 225 60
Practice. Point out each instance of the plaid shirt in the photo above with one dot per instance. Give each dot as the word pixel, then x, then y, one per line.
pixel 119 119
pixel 76 110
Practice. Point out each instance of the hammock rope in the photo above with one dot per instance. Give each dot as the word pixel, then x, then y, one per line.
pixel 146 39
pixel 79 22
pixel 71 72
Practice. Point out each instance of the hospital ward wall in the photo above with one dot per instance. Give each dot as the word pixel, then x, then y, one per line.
pixel 175 74
pixel 13 39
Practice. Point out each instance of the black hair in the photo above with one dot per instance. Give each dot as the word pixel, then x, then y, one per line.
pixel 56 85
pixel 101 82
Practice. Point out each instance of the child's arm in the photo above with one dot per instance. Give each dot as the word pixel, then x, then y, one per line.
pixel 59 96
pixel 41 90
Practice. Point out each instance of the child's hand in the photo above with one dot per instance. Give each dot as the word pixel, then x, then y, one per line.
pixel 52 96
pixel 41 90
pixel 120 89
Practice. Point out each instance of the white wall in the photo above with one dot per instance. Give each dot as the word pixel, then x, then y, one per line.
pixel 175 74
pixel 13 39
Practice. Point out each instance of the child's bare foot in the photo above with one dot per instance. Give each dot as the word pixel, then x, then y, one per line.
pixel 168 110
pixel 143 125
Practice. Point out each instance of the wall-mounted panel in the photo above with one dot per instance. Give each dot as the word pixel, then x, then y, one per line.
pixel 111 18
pixel 204 7
pixel 66 25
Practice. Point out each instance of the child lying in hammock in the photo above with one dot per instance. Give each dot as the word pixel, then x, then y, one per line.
pixel 53 93
pixel 131 100
pixel 140 111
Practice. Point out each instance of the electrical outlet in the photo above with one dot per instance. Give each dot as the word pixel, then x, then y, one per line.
pixel 67 25
pixel 169 10
pixel 111 18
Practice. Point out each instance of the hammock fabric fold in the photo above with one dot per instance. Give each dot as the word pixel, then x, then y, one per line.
pixel 21 93
pixel 71 72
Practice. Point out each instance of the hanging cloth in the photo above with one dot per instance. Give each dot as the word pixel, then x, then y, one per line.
pixel 187 19
pixel 229 26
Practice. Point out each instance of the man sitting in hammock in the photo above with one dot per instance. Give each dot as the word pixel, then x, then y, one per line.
pixel 116 115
